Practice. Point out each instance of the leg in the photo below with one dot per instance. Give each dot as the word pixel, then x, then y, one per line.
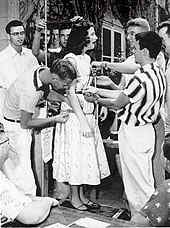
pixel 136 150
pixel 75 198
pixel 158 169
pixel 89 203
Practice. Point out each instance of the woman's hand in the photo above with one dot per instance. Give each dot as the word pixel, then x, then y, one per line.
pixel 85 129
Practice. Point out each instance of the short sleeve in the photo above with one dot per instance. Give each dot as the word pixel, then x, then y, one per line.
pixel 28 103
pixel 134 90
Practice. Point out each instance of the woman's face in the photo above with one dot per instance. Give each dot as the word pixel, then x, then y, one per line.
pixel 92 39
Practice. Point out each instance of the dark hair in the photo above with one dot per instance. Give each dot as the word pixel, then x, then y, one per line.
pixel 78 38
pixel 13 23
pixel 140 22
pixel 62 26
pixel 165 24
pixel 151 41
pixel 64 69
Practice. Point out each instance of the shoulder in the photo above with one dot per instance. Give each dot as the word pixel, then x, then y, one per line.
pixel 72 58
pixel 27 51
pixel 71 55
pixel 5 52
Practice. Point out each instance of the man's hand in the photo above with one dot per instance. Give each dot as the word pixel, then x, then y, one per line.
pixel 76 18
pixel 97 64
pixel 40 24
pixel 88 90
pixel 104 81
pixel 62 117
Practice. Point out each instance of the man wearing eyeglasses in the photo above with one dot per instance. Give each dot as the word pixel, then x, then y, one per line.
pixel 15 58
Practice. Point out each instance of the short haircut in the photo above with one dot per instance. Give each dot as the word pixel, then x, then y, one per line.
pixel 139 22
pixel 150 40
pixel 13 23
pixel 64 69
pixel 165 24
pixel 62 26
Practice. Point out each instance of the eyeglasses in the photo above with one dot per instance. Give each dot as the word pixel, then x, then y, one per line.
pixel 18 33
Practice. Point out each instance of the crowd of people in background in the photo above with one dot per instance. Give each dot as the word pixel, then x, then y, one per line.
pixel 58 71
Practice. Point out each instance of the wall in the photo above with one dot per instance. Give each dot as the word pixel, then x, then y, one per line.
pixel 9 10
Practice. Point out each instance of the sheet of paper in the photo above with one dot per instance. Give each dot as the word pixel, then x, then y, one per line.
pixel 46 143
pixel 56 225
pixel 91 223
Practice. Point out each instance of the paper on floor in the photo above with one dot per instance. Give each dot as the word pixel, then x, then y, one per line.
pixel 91 223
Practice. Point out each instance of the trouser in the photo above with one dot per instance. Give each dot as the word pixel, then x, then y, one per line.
pixel 17 167
pixel 158 169
pixel 136 148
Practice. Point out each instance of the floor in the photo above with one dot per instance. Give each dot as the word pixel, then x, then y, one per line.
pixel 111 191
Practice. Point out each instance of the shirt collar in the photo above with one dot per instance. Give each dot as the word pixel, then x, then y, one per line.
pixel 149 66
pixel 13 52
pixel 37 82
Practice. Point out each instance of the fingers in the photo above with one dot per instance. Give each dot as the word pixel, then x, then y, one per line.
pixel 87 134
pixel 40 23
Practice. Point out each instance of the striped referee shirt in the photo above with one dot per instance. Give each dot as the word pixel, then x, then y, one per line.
pixel 146 92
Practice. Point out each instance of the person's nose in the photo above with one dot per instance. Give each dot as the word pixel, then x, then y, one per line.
pixel 128 36
pixel 96 37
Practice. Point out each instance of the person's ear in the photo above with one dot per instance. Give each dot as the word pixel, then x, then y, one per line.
pixel 145 51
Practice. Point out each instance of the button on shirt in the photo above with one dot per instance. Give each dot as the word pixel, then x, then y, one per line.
pixel 13 64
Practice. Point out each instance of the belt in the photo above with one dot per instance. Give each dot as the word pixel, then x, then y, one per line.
pixel 71 111
pixel 15 121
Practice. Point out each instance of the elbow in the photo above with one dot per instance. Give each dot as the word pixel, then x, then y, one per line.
pixel 116 107
pixel 35 53
pixel 24 126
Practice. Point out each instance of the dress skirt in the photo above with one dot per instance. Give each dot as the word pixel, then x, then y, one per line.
pixel 79 160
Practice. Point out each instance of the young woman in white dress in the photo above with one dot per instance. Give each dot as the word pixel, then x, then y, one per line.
pixel 79 155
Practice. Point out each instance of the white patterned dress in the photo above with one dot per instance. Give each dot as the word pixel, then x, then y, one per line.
pixel 79 160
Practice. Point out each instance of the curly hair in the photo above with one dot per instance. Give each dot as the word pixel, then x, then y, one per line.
pixel 78 38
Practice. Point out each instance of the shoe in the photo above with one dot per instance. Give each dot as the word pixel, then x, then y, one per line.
pixel 79 207
pixel 92 205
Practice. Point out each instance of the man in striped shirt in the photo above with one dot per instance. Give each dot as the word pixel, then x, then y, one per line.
pixel 139 104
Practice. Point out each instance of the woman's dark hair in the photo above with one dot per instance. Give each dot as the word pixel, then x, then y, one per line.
pixel 13 23
pixel 165 24
pixel 78 38
pixel 64 69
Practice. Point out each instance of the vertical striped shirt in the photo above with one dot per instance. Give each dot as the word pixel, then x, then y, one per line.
pixel 146 92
